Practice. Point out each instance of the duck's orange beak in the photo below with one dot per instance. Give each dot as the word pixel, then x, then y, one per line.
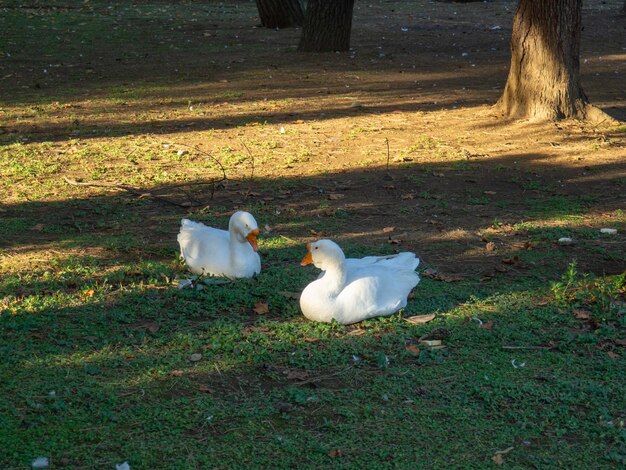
pixel 251 237
pixel 308 258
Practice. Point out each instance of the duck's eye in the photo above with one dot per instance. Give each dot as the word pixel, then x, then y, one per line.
pixel 316 247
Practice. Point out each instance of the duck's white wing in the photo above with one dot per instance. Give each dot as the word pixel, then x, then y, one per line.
pixel 374 290
pixel 204 249
pixel 404 260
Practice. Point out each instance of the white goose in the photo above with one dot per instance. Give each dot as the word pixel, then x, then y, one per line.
pixel 211 251
pixel 351 290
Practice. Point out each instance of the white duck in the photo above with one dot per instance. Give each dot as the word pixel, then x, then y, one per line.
pixel 351 290
pixel 211 251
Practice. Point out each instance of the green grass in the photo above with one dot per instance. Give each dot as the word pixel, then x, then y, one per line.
pixel 97 368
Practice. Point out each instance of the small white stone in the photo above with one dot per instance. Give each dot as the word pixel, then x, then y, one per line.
pixel 122 466
pixel 195 357
pixel 608 231
pixel 181 152
pixel 566 241
pixel 282 130
pixel 40 462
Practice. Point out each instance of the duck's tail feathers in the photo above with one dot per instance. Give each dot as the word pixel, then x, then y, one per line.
pixel 405 260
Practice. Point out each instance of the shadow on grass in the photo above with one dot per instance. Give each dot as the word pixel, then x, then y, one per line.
pixel 110 378
pixel 441 211
pixel 265 67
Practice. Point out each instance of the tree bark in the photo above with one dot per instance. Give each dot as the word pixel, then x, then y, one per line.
pixel 544 77
pixel 327 26
pixel 280 13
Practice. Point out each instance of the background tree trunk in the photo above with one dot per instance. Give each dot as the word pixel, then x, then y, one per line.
pixel 327 26
pixel 280 13
pixel 544 77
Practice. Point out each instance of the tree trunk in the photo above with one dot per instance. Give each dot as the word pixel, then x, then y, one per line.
pixel 280 13
pixel 544 77
pixel 327 26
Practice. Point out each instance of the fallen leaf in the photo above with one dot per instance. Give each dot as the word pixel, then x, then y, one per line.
pixel 437 174
pixel 412 349
pixel 408 196
pixel 434 274
pixel 498 459
pixel 204 389
pixel 429 272
pixel 488 325
pixel 581 314
pixel 388 229
pixel 148 325
pixel 450 277
pixel 261 308
pixel 296 374
pixel 89 293
pixel 419 319
pixel 336 196
pixel 389 186
pixel 335 453
pixel 285 407
pixel 620 342
pixel 491 246
pixel 37 228
pixel 430 342
pixel 177 373
pixel 356 332
pixel 613 355
pixel 394 241
pixel 489 193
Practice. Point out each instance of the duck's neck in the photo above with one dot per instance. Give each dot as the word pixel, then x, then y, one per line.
pixel 335 277
pixel 238 249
